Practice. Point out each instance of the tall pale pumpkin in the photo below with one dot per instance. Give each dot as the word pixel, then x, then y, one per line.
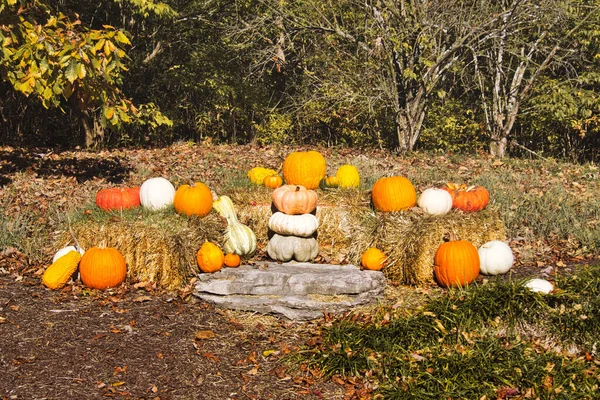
pixel 394 193
pixel 305 168
pixel 348 176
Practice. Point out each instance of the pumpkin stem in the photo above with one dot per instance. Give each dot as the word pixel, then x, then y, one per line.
pixel 297 188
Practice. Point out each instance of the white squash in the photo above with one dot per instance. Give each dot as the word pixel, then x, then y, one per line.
pixel 539 285
pixel 157 193
pixel 66 250
pixel 303 225
pixel 239 238
pixel 435 201
pixel 495 258
pixel 286 248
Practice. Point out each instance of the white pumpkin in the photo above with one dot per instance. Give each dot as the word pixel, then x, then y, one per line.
pixel 285 248
pixel 66 250
pixel 435 201
pixel 157 193
pixel 495 258
pixel 303 225
pixel 539 285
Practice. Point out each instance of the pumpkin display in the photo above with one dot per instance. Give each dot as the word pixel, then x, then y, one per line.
pixel 157 193
pixel 257 175
pixel 305 168
pixel 468 198
pixel 495 258
pixel 539 285
pixel 456 263
pixel 373 259
pixel 435 201
pixel 239 238
pixel 286 248
pixel 273 181
pixel 57 274
pixel 210 257
pixel 294 199
pixel 348 176
pixel 65 250
pixel 393 193
pixel 303 225
pixel 102 268
pixel 193 199
pixel 232 260
pixel 329 182
pixel 118 198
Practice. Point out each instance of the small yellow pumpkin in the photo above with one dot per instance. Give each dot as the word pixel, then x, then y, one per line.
pixel 373 259
pixel 348 176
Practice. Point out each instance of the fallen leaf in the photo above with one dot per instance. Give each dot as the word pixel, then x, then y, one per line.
pixel 204 335
pixel 120 383
pixel 211 356
pixel 141 299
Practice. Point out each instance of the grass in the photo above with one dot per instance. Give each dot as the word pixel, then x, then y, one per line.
pixel 476 342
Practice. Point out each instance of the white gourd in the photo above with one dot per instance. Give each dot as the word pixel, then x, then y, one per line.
pixel 286 248
pixel 495 258
pixel 539 285
pixel 435 201
pixel 157 193
pixel 303 225
pixel 239 238
pixel 66 250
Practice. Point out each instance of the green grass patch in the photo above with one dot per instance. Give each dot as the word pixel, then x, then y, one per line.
pixel 478 341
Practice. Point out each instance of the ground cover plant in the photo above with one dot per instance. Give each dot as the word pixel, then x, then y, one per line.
pixel 413 344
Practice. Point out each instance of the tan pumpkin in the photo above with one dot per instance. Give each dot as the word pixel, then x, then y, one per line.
pixel 210 257
pixel 57 274
pixel 303 225
pixel 373 259
pixel 305 168
pixel 239 238
pixel 394 193
pixel 294 199
pixel 102 268
pixel 348 176
pixel 286 248
pixel 193 199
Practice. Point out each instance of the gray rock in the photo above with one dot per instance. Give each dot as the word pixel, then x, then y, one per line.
pixel 298 291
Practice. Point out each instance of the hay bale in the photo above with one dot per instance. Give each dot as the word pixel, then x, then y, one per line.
pixel 158 247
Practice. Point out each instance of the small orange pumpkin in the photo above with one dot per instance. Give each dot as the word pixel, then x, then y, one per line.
pixel 102 268
pixel 273 181
pixel 456 263
pixel 394 193
pixel 373 259
pixel 232 260
pixel 210 257
pixel 470 199
pixel 193 200
pixel 294 199
pixel 118 198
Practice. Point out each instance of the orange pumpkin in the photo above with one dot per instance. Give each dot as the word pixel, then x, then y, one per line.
pixel 193 200
pixel 273 181
pixel 470 199
pixel 102 268
pixel 210 257
pixel 305 168
pixel 232 260
pixel 118 198
pixel 394 193
pixel 456 263
pixel 373 259
pixel 294 199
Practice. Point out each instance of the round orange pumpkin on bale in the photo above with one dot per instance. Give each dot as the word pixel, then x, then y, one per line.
pixel 294 199
pixel 210 257
pixel 193 199
pixel 394 193
pixel 373 259
pixel 102 268
pixel 456 263
pixel 118 198
pixel 305 168
pixel 468 198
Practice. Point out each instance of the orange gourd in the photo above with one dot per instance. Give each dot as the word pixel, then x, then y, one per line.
pixel 394 193
pixel 305 168
pixel 193 200
pixel 210 257
pixel 456 263
pixel 232 260
pixel 468 198
pixel 102 268
pixel 373 259
pixel 294 199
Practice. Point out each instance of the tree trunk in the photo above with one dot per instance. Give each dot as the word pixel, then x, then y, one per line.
pixel 92 129
pixel 498 146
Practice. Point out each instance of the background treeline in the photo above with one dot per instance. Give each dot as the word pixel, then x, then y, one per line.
pixel 506 77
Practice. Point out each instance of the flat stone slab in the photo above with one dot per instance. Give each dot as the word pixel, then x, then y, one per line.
pixel 298 291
